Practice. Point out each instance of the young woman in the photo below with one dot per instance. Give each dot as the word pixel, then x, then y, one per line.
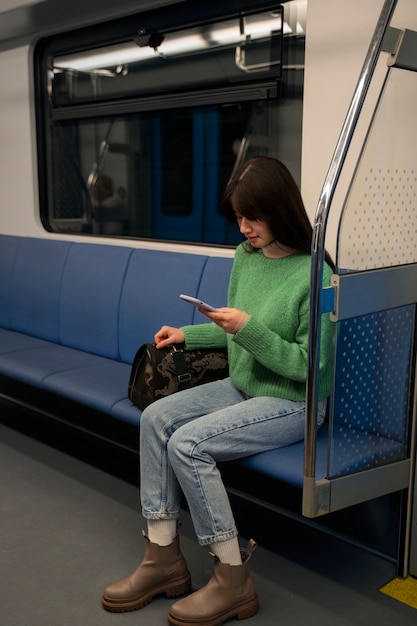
pixel 261 406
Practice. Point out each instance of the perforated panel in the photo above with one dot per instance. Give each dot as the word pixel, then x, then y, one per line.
pixel 385 213
pixel 369 421
pixel 379 224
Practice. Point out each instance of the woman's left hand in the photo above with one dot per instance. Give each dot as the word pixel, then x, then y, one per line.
pixel 230 320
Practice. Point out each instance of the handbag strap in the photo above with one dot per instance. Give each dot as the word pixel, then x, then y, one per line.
pixel 183 374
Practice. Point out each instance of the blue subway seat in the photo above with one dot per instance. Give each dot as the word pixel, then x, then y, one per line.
pixel 72 316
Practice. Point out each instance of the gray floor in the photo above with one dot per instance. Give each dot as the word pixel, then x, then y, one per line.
pixel 68 528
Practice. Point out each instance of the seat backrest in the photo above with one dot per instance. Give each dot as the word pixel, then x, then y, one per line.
pixel 91 290
pixel 35 286
pixel 214 284
pixel 9 247
pixel 103 299
pixel 150 296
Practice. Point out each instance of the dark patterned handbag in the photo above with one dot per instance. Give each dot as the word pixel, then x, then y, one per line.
pixel 157 373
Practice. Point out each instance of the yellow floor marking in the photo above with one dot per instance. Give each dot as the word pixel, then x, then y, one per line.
pixel 402 589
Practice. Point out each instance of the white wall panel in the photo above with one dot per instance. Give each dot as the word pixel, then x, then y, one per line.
pixel 18 201
pixel 338 37
pixel 7 5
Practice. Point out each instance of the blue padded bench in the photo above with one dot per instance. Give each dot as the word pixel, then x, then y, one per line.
pixel 72 316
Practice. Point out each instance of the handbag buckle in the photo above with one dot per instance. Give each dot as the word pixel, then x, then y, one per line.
pixel 173 348
pixel 184 378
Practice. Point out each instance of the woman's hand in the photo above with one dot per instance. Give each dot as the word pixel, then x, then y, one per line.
pixel 168 335
pixel 231 320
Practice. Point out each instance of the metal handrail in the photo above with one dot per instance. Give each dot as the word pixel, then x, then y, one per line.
pixel 318 241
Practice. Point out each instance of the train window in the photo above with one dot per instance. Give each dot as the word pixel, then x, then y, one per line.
pixel 138 137
pixel 218 53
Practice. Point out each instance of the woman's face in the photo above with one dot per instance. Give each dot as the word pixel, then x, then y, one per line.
pixel 256 232
pixel 259 235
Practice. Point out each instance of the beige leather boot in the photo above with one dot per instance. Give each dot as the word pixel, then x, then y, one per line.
pixel 163 570
pixel 229 593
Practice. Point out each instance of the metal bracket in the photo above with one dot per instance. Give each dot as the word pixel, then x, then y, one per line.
pixel 361 293
pixel 391 40
pixel 316 497
pixel 405 55
pixel 240 60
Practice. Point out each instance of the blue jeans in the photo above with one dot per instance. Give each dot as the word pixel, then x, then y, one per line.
pixel 183 436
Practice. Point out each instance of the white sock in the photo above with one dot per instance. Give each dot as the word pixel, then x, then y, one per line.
pixel 227 551
pixel 162 531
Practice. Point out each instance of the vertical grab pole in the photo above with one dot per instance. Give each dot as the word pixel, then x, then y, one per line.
pixel 318 248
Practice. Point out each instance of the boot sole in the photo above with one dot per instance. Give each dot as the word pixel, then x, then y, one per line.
pixel 244 611
pixel 173 590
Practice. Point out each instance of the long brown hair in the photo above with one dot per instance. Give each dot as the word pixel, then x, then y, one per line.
pixel 264 189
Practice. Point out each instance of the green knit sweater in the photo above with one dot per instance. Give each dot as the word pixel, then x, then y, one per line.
pixel 268 356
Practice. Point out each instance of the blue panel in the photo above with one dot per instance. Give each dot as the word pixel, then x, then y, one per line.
pixel 327 303
pixel 372 389
pixel 373 361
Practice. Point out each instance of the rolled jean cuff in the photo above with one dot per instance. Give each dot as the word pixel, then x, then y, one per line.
pixel 208 540
pixel 168 516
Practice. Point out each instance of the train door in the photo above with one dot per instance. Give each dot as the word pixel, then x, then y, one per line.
pixel 194 155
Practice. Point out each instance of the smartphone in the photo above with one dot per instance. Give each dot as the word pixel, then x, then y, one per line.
pixel 198 303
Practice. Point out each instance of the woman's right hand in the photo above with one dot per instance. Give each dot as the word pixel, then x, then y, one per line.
pixel 168 335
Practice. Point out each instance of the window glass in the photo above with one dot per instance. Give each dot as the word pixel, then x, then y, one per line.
pixel 218 53
pixel 145 148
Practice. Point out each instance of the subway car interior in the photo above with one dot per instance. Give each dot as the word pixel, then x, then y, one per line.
pixel 121 125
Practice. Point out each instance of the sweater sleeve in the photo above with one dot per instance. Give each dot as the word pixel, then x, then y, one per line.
pixel 204 336
pixel 288 359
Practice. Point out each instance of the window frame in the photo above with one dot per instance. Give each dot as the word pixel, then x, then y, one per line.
pixel 47 115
